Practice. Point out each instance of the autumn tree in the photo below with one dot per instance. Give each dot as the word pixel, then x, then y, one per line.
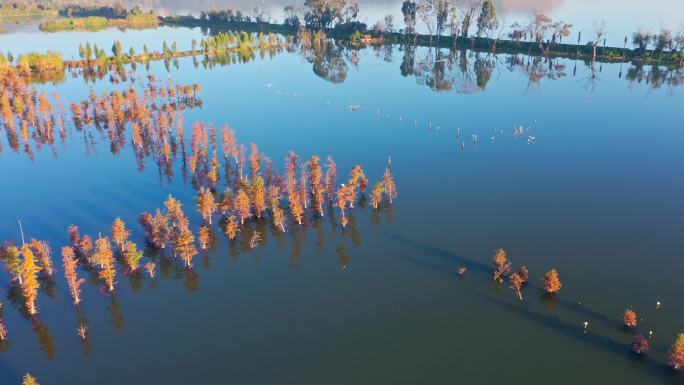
pixel 104 257
pixel 174 210
pixel 330 177
pixel 376 194
pixel 357 178
pixel 184 242
pixel 204 236
pixel 389 185
pixel 29 380
pixel 120 234
pixel 316 181
pixel 149 267
pixel 502 267
pixel 259 194
pixel 70 262
pixel 206 205
pixel 629 318
pixel 675 356
pixel 3 328
pixel 243 206
pixel 296 207
pixel 42 252
pixel 517 283
pixel 552 283
pixel 29 278
pixel 231 227
pixel 640 344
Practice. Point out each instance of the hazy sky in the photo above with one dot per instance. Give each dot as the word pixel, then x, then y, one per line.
pixel 622 16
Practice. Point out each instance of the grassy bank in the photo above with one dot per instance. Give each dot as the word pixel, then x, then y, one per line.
pixel 96 23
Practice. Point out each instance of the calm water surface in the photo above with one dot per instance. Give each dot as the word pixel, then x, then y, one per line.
pixel 596 193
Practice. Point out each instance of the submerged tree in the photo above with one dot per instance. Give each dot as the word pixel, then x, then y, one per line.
pixel 232 227
pixel 132 256
pixel 629 319
pixel 640 344
pixel 517 283
pixel 204 236
pixel 29 380
pixel 105 258
pixel 29 278
pixel 675 356
pixel 120 234
pixel 389 185
pixel 3 328
pixel 502 267
pixel 206 204
pixel 552 283
pixel 70 264
pixel 11 256
pixel 42 252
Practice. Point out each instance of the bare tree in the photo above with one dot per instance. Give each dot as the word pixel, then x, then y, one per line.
pixel 468 9
pixel 291 16
pixel 598 29
pixel 425 12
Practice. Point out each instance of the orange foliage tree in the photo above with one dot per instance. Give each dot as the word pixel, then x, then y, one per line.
pixel 376 194
pixel 502 267
pixel 390 186
pixel 330 178
pixel 296 208
pixel 231 227
pixel 206 205
pixel 105 258
pixel 184 242
pixel 316 180
pixel 629 318
pixel 42 252
pixel 204 236
pixel 70 262
pixel 675 355
pixel 243 206
pixel 29 279
pixel 259 193
pixel 552 283
pixel 517 283
pixel 120 234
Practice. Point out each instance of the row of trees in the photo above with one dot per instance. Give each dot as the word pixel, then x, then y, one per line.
pixel 503 269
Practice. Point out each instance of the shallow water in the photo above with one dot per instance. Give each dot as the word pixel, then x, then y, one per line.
pixel 596 194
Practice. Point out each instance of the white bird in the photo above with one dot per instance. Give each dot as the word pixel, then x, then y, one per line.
pixel 650 333
pixel 586 325
pixel 658 304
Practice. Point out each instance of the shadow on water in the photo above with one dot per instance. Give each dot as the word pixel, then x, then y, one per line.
pixel 450 261
pixel 645 364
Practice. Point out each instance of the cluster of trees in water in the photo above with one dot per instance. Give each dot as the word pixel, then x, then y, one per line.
pixel 518 280
pixel 253 192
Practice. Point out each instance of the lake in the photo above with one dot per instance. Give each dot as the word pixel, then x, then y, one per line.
pixel 562 164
